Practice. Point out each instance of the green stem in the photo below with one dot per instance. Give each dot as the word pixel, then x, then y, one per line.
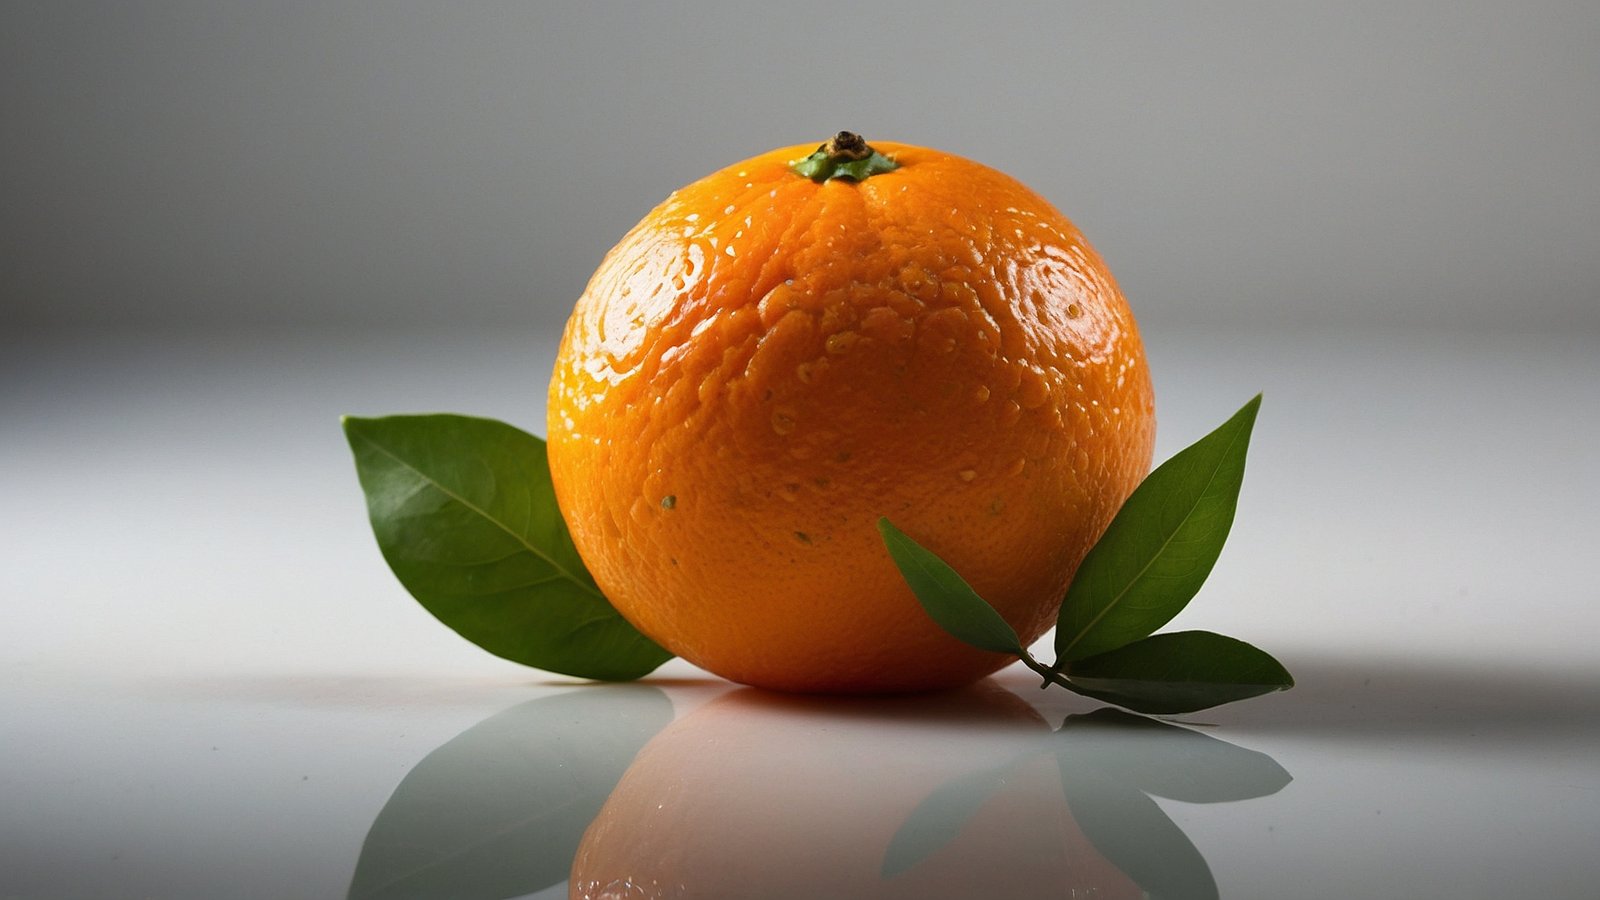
pixel 846 155
pixel 1050 676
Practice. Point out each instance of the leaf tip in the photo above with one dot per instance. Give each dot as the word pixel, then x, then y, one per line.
pixel 1249 410
pixel 889 531
pixel 350 426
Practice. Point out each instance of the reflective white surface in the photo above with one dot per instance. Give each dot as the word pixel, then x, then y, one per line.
pixel 210 685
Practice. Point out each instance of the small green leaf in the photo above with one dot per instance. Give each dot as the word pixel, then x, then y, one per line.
pixel 1160 547
pixel 465 515
pixel 946 597
pixel 1178 672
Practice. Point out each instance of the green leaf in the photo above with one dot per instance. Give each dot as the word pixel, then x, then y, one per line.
pixel 946 597
pixel 1159 548
pixel 465 515
pixel 1178 672
pixel 499 810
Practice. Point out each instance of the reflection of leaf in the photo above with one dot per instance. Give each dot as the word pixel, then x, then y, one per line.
pixel 1131 831
pixel 499 810
pixel 1166 760
pixel 938 819
pixel 1110 760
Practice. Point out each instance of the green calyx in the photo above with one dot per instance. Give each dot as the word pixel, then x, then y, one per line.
pixel 846 155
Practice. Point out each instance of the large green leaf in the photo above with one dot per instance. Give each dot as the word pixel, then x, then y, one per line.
pixel 1160 546
pixel 1178 672
pixel 947 597
pixel 499 810
pixel 465 515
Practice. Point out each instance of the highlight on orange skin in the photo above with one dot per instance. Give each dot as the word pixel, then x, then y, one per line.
pixel 765 365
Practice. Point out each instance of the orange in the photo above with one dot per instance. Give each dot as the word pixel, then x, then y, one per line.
pixel 768 362
pixel 762 795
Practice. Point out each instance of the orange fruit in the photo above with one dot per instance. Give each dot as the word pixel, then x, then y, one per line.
pixel 763 795
pixel 768 362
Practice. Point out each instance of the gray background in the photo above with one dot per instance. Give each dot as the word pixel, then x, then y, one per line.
pixel 224 224
pixel 227 164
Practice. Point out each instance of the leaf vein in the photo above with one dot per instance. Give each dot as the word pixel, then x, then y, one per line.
pixel 1215 471
pixel 473 507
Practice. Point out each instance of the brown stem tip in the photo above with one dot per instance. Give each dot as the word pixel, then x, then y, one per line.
pixel 846 145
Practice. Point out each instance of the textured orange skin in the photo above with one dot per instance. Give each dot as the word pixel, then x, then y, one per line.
pixel 765 365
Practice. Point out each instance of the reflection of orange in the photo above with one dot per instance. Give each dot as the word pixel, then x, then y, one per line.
pixel 753 796
pixel 765 365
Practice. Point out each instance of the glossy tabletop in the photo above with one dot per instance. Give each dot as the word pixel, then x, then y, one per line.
pixel 210 686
